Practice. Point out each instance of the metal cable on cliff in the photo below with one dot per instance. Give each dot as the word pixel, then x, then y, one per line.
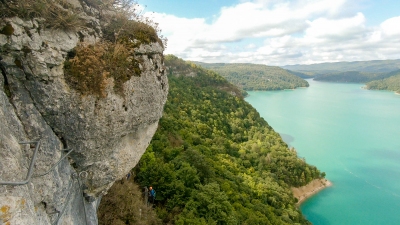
pixel 30 170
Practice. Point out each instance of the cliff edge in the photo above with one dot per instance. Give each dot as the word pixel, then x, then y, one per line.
pixel 80 143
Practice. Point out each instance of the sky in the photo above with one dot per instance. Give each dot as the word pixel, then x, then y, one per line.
pixel 278 32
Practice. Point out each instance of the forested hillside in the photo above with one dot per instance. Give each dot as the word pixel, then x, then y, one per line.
pixel 354 72
pixel 251 77
pixel 391 83
pixel 349 76
pixel 214 160
pixel 305 75
pixel 373 66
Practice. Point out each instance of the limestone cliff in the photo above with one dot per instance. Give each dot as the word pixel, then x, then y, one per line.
pixel 104 137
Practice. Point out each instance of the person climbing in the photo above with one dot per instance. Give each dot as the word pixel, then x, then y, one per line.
pixel 152 195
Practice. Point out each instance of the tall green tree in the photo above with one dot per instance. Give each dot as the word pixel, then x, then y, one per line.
pixel 214 160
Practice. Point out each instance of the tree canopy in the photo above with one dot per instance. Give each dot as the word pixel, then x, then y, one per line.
pixel 214 160
pixel 251 77
pixel 372 66
pixel 350 76
pixel 391 83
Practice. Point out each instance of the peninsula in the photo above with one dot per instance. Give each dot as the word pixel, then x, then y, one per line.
pixel 304 192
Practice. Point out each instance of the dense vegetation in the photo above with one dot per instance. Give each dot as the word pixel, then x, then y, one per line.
pixel 91 67
pixel 391 83
pixel 305 75
pixel 64 15
pixel 256 77
pixel 55 14
pixel 354 72
pixel 214 160
pixel 350 76
pixel 124 204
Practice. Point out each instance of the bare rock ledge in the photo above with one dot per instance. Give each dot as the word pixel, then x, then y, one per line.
pixel 312 188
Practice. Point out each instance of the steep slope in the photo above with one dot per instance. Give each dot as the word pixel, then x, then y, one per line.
pixel 256 77
pixel 88 99
pixel 214 160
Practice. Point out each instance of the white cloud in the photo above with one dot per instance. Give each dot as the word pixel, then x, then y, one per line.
pixel 297 31
pixel 391 26
pixel 346 28
pixel 182 33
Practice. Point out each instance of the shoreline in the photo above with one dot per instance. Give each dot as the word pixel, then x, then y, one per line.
pixel 304 192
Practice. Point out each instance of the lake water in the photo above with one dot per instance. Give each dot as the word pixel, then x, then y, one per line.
pixel 350 133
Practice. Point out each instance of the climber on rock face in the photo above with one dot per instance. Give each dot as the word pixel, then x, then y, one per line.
pixel 152 195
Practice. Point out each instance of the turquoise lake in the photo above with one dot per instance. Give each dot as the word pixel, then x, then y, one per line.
pixel 350 133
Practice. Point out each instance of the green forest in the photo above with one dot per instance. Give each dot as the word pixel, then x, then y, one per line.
pixel 372 66
pixel 391 83
pixel 214 160
pixel 251 77
pixel 350 76
pixel 353 72
pixel 381 81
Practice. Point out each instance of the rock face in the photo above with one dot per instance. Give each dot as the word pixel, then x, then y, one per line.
pixel 107 135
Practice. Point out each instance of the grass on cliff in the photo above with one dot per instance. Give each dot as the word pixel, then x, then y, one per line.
pixel 118 17
pixel 91 67
pixel 57 14
pixel 124 204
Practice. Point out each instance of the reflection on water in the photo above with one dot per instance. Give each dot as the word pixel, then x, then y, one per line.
pixel 350 133
pixel 287 138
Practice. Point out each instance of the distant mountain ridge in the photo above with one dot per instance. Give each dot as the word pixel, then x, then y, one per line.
pixel 351 76
pixel 377 66
pixel 343 72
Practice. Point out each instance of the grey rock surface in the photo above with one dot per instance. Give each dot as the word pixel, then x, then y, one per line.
pixel 107 135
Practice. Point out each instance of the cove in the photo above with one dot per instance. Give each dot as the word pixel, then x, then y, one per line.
pixel 350 133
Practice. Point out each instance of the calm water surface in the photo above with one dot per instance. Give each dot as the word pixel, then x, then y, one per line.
pixel 354 136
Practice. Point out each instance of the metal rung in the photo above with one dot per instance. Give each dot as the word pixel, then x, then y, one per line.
pixel 30 170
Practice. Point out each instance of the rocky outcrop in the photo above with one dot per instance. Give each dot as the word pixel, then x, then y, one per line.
pixel 107 135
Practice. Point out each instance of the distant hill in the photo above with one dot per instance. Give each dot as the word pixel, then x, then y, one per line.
pixel 255 76
pixel 350 76
pixel 304 75
pixel 356 72
pixel 374 66
pixel 391 83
